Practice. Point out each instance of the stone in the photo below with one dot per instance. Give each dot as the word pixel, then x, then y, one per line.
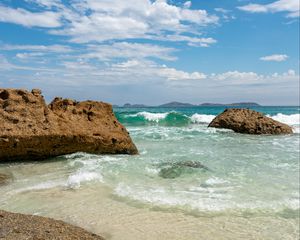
pixel 33 130
pixel 23 226
pixel 175 170
pixel 249 122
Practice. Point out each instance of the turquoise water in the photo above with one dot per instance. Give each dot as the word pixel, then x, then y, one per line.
pixel 244 172
pixel 183 167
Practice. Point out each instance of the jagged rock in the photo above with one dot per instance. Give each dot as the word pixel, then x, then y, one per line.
pixel 31 130
pixel 250 122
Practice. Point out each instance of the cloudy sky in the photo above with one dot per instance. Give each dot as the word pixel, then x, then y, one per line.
pixel 153 51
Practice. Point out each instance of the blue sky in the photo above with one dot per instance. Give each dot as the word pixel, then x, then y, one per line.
pixel 153 52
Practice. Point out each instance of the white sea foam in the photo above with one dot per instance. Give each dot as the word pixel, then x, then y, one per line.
pixel 199 198
pixel 154 117
pixel 40 186
pixel 202 118
pixel 76 179
pixel 293 119
pixel 215 181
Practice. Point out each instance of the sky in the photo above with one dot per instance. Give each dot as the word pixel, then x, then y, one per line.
pixel 153 51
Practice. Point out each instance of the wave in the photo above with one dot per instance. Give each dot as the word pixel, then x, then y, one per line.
pixel 293 119
pixel 75 180
pixel 180 119
pixel 164 119
pixel 202 118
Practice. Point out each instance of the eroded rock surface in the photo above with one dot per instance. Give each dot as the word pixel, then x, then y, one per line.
pixel 250 122
pixel 20 226
pixel 32 130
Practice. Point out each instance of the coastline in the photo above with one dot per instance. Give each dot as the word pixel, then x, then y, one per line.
pixel 118 218
pixel 250 192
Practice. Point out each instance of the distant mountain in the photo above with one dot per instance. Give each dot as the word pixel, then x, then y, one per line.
pixel 176 105
pixel 128 105
pixel 211 104
pixel 245 104
pixel 183 105
pixel 240 104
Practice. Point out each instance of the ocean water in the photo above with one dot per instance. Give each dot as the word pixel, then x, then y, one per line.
pixel 188 182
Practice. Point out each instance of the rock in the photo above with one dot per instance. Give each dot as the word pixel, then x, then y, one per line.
pixel 170 172
pixel 193 164
pixel 174 170
pixel 20 226
pixel 31 130
pixel 249 122
pixel 4 178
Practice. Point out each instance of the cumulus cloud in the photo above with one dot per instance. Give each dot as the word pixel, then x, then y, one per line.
pixel 46 19
pixel 91 21
pixel 98 21
pixel 275 58
pixel 290 6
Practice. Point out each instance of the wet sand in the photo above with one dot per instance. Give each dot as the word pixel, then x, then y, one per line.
pixel 96 209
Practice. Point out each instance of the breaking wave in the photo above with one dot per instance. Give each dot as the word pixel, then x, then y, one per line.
pixel 174 118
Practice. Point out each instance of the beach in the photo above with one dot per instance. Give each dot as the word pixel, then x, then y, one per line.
pixel 247 186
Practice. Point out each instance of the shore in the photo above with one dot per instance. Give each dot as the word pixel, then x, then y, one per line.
pixel 20 226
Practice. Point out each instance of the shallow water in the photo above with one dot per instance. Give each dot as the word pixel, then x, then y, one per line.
pixel 248 189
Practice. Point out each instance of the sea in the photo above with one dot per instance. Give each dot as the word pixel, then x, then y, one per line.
pixel 188 181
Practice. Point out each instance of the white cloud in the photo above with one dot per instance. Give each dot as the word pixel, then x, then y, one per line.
pixel 23 17
pixel 128 50
pixel 290 6
pixel 28 55
pixel 187 4
pixel 222 10
pixel 150 70
pixel 104 20
pixel 275 58
pixel 41 48
pixel 236 78
pixel 98 21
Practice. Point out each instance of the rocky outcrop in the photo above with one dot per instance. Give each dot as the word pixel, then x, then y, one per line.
pixel 20 226
pixel 31 130
pixel 249 122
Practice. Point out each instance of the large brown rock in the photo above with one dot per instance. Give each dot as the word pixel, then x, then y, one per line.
pixel 31 130
pixel 16 226
pixel 250 122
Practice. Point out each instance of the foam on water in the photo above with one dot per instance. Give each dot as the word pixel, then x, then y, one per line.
pixel 213 199
pixel 76 179
pixel 293 119
pixel 155 117
pixel 245 171
pixel 202 118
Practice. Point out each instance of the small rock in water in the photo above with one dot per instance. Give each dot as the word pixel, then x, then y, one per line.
pixel 4 178
pixel 192 164
pixel 176 169
pixel 171 172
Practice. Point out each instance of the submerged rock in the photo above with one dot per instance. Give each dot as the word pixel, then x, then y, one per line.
pixel 192 164
pixel 31 130
pixel 176 169
pixel 21 226
pixel 4 178
pixel 249 122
